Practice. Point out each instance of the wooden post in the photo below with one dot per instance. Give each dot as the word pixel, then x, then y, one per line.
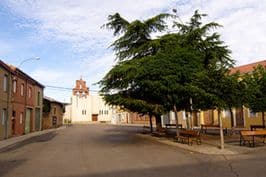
pixel 221 129
pixel 176 120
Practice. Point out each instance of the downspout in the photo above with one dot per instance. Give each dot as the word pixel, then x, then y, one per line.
pixel 7 106
pixel 25 105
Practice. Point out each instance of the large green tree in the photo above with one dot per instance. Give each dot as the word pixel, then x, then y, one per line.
pixel 161 71
pixel 256 89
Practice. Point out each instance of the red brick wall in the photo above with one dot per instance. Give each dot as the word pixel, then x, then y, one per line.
pixel 19 127
pixel 138 119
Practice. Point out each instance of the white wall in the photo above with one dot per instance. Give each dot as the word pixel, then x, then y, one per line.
pixel 92 104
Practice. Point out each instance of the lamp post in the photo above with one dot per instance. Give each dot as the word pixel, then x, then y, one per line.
pixel 23 61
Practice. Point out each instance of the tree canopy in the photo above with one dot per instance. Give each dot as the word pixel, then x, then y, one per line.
pixel 161 72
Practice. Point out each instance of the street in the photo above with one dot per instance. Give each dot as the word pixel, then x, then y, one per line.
pixel 104 150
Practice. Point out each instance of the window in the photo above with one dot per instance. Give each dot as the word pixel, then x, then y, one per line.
pixel 5 83
pixel 83 112
pixel 22 89
pixel 3 117
pixel 54 110
pixel 30 92
pixel 14 86
pixel 252 114
pixel 39 98
pixel 13 114
pixel 20 117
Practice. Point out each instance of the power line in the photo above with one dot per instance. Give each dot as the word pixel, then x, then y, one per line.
pixel 64 88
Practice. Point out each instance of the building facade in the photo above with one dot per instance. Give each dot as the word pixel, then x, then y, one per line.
pixel 5 101
pixel 27 96
pixel 84 107
pixel 52 113
pixel 20 102
pixel 243 117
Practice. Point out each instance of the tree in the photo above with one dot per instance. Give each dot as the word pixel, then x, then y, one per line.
pixel 256 89
pixel 161 71
pixel 135 39
pixel 220 90
pixel 134 105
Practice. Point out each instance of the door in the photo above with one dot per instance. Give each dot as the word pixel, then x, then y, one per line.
pixel 27 121
pixel 94 117
pixel 239 117
pixel 37 119
pixel 208 117
pixel 13 122
pixel 195 117
pixel 54 121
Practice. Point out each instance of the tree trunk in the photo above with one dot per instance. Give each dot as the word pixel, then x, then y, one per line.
pixel 232 117
pixel 187 119
pixel 158 123
pixel 176 120
pixel 221 128
pixel 263 119
pixel 151 128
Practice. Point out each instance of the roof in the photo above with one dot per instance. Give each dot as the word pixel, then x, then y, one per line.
pixel 248 67
pixel 15 69
pixel 52 100
pixel 5 66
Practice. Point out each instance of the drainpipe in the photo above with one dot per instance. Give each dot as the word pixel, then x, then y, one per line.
pixel 7 103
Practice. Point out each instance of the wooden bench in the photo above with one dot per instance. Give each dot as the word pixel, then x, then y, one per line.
pixel 251 136
pixel 173 126
pixel 204 128
pixel 189 136
pixel 254 127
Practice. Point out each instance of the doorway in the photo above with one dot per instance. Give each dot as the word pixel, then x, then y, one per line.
pixel 239 117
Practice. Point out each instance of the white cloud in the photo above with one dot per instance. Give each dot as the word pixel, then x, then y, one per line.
pixel 78 23
pixel 244 25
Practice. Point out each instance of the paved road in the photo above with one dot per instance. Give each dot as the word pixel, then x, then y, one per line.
pixel 105 151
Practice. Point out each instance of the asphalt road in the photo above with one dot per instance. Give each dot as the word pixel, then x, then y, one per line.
pixel 105 151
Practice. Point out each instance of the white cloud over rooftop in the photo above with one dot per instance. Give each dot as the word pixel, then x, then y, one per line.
pixel 78 24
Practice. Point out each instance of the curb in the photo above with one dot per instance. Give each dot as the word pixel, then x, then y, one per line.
pixel 14 140
pixel 204 148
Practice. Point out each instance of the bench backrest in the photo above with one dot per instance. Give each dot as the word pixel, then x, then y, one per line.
pixel 189 133
pixel 252 133
pixel 208 125
pixel 254 127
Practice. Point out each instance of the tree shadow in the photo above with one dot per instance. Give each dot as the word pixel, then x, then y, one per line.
pixel 6 166
pixel 36 139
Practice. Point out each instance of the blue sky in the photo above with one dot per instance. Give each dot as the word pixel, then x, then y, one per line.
pixel 66 34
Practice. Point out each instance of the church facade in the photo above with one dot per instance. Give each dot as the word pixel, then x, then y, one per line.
pixel 85 108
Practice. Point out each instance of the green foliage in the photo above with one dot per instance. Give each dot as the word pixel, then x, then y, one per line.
pixel 198 36
pixel 46 106
pixel 256 89
pixel 156 75
pixel 135 40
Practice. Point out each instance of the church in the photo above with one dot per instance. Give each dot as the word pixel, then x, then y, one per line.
pixel 85 107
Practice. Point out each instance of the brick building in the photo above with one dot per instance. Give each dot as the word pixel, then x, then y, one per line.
pixel 52 113
pixel 27 97
pixel 5 100
pixel 20 102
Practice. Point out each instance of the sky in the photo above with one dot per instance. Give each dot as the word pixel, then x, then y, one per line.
pixel 67 36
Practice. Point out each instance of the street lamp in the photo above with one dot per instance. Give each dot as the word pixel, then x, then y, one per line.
pixel 34 58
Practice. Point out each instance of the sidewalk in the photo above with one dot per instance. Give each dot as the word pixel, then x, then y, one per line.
pixel 210 145
pixel 14 140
